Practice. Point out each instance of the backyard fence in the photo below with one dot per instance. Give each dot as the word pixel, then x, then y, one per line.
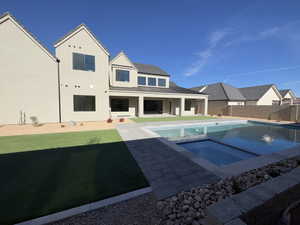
pixel 271 112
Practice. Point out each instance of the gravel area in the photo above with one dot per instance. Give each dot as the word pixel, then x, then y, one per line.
pixel 188 207
pixel 136 211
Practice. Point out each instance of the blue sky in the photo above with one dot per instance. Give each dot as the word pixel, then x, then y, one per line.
pixel 242 43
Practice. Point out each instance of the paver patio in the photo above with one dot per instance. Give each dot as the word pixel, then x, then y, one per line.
pixel 167 171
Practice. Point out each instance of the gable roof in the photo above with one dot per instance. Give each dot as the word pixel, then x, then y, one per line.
pixel 7 16
pixel 150 69
pixel 284 92
pixel 122 53
pixel 221 92
pixel 77 30
pixel 256 92
pixel 173 88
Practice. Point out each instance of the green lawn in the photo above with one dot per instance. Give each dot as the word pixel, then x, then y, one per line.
pixel 161 119
pixel 37 183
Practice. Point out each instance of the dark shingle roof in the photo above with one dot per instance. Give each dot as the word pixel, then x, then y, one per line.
pixel 150 69
pixel 173 88
pixel 283 92
pixel 255 92
pixel 221 92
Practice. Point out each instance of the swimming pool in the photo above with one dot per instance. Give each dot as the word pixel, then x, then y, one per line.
pixel 251 137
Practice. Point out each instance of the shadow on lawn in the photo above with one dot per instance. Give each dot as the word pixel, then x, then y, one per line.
pixel 41 182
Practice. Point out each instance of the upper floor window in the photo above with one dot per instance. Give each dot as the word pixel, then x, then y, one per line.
pixel 83 62
pixel 161 82
pixel 141 80
pixel 122 75
pixel 84 103
pixel 151 81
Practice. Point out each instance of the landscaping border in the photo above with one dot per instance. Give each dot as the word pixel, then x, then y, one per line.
pixel 85 208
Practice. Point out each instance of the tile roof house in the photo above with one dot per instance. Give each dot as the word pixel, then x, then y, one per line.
pixel 81 82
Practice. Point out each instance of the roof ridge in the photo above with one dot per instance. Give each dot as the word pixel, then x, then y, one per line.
pixel 225 92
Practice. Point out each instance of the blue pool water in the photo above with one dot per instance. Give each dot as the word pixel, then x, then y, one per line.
pixel 253 137
pixel 216 153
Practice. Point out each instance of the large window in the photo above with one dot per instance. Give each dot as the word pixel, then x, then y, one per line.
pixel 151 81
pixel 84 103
pixel 141 80
pixel 188 105
pixel 119 105
pixel 122 75
pixel 161 82
pixel 83 62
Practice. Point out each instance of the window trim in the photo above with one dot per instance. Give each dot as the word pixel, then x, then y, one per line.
pixel 116 72
pixel 149 82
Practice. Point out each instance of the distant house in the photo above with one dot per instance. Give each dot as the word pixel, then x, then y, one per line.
pixel 288 97
pixel 221 95
pixel 261 95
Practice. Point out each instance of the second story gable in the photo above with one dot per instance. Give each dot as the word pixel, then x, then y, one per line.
pixel 124 73
pixel 83 59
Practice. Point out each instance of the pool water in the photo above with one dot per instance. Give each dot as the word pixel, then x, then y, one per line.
pixel 216 153
pixel 253 137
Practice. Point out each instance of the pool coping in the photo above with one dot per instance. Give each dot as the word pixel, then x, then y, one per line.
pixel 233 169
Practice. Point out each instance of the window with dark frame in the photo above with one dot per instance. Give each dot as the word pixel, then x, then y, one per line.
pixel 161 82
pixel 151 81
pixel 83 62
pixel 122 75
pixel 141 80
pixel 119 105
pixel 187 104
pixel 84 103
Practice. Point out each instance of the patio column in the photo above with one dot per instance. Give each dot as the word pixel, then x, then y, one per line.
pixel 141 106
pixel 205 106
pixel 182 102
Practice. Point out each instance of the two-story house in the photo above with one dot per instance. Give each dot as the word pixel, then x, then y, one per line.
pixel 81 82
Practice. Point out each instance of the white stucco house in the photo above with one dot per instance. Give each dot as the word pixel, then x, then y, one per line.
pixel 261 95
pixel 288 96
pixel 81 81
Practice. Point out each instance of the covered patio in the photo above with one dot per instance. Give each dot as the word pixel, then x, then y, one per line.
pixel 124 104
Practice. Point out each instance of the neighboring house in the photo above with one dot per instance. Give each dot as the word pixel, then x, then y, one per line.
pixel 221 95
pixel 80 82
pixel 261 95
pixel 288 97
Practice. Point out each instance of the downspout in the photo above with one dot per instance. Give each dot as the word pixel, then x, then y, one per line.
pixel 59 94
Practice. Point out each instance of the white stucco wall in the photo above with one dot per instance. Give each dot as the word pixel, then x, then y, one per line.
pixel 28 76
pixel 122 62
pixel 91 83
pixel 268 97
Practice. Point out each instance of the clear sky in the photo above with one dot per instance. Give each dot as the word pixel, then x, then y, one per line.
pixel 238 42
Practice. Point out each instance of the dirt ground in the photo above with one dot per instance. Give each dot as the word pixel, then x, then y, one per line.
pixel 11 130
